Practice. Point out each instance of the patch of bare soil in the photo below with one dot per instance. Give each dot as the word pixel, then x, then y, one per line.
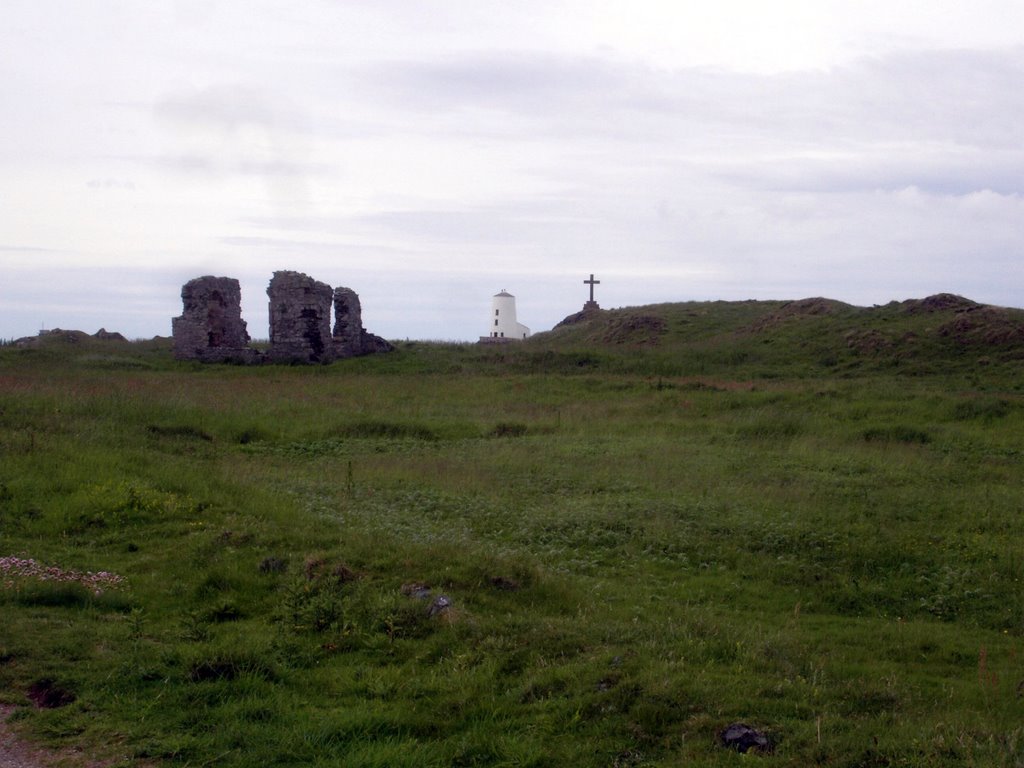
pixel 17 752
pixel 635 329
pixel 46 694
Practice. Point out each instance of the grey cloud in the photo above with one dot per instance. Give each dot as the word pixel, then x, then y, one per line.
pixel 109 183
pixel 477 94
pixel 229 108
pixel 555 87
pixel 296 223
pixel 279 251
pixel 530 217
pixel 496 224
pixel 240 130
pixel 947 172
pixel 970 97
pixel 974 100
pixel 228 162
pixel 509 78
pixel 279 243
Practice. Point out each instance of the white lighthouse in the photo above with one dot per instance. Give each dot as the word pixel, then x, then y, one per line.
pixel 502 321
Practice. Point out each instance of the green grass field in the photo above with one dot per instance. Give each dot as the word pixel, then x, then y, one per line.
pixel 645 529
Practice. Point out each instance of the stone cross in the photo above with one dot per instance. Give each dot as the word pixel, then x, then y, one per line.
pixel 592 282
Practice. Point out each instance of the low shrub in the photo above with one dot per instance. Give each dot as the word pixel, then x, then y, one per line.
pixel 985 409
pixel 896 433
pixel 228 665
pixel 185 431
pixel 385 429
pixel 509 429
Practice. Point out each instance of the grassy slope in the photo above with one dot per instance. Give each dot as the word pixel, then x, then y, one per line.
pixel 806 337
pixel 757 516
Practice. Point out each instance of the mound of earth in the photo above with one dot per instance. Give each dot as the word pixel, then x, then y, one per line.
pixel 580 317
pixel 104 335
pixel 59 334
pixel 868 341
pixel 813 307
pixel 940 302
pixel 635 329
pixel 985 326
pixel 67 337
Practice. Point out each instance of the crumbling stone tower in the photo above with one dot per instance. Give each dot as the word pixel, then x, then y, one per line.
pixel 350 338
pixel 211 328
pixel 348 322
pixel 300 319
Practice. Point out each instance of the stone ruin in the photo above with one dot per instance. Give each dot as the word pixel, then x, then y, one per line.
pixel 300 319
pixel 211 328
pixel 350 338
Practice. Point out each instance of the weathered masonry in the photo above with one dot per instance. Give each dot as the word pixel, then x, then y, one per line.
pixel 211 328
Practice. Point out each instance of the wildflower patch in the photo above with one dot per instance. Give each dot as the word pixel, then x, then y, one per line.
pixel 15 572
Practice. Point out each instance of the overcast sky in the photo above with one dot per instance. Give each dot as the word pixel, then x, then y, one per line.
pixel 430 154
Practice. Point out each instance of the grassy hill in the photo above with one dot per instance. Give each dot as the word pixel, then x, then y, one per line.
pixel 809 336
pixel 749 339
pixel 645 526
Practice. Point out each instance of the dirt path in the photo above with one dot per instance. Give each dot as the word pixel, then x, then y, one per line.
pixel 16 752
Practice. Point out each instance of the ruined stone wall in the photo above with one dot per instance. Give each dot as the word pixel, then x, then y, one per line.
pixel 348 323
pixel 211 328
pixel 300 319
pixel 373 344
pixel 350 338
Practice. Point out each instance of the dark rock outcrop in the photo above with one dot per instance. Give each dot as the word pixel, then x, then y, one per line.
pixel 743 738
pixel 104 335
pixel 587 313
